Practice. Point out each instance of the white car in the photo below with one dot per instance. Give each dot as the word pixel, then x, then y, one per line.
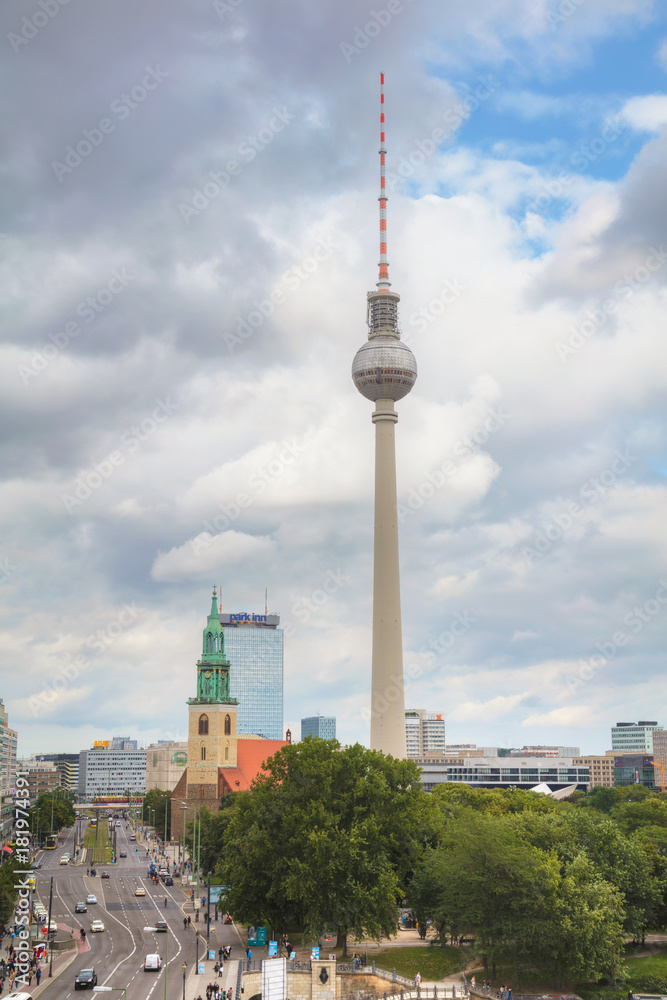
pixel 91 898
pixel 152 963
pixel 96 926
pixel 64 861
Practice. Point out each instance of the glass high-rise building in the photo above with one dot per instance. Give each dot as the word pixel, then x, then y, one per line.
pixel 254 648
pixel 323 726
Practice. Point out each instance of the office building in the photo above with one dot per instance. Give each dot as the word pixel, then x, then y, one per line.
pixel 7 776
pixel 505 772
pixel 254 648
pixel 634 769
pixel 384 370
pixel 424 733
pixel 660 757
pixel 600 768
pixel 542 751
pixel 322 726
pixel 107 772
pixel 635 737
pixel 42 776
pixel 165 764
pixel 67 764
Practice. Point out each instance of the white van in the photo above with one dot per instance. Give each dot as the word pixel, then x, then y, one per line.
pixel 19 996
pixel 151 964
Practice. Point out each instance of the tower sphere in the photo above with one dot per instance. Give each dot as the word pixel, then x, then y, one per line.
pixel 384 368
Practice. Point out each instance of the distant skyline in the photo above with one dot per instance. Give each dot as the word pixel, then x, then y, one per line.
pixel 189 232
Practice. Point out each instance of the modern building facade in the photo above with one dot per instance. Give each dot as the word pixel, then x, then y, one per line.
pixel 635 737
pixel 504 772
pixel 107 772
pixel 42 776
pixel 384 370
pixel 660 757
pixel 322 726
pixel 600 768
pixel 424 732
pixel 7 775
pixel 254 648
pixel 67 764
pixel 634 769
pixel 165 764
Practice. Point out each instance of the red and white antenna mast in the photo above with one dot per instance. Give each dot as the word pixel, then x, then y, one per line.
pixel 383 281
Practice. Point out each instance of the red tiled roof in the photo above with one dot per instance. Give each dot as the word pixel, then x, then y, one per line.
pixel 250 755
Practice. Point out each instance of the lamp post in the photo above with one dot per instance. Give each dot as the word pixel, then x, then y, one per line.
pixel 196 825
pixel 184 967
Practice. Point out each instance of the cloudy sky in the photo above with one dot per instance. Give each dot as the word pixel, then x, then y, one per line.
pixel 189 230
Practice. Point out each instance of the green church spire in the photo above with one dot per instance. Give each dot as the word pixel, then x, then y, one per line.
pixel 213 668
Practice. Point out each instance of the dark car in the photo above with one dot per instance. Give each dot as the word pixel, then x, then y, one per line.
pixel 169 880
pixel 161 925
pixel 105 875
pixel 36 865
pixel 81 908
pixel 123 854
pixel 86 979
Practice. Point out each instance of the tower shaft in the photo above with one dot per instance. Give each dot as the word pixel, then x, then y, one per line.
pixel 387 695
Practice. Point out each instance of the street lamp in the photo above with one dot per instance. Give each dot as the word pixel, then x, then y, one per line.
pixel 166 962
pixel 195 823
pixel 184 967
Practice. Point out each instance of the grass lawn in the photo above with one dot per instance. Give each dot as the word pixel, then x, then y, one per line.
pixel 96 840
pixel 432 962
pixel 654 965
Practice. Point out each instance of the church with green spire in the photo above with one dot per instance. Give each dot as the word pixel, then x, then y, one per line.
pixel 212 667
pixel 220 761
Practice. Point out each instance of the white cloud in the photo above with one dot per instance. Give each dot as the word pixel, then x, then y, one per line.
pixel 646 114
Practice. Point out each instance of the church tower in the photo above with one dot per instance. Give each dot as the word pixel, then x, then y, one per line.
pixel 212 715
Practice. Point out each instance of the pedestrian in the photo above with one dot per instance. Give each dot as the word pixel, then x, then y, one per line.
pixel 473 981
pixel 38 974
pixel 288 948
pixel 216 968
pixel 418 979
pixel 220 954
pixel 185 923
pixel 221 970
pixel 189 918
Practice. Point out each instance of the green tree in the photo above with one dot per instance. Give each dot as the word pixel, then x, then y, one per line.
pixel 160 801
pixel 325 838
pixel 8 893
pixel 493 886
pixel 52 812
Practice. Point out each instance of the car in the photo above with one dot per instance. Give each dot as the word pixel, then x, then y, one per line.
pixel 91 898
pixel 152 963
pixel 118 822
pixel 132 837
pixel 81 908
pixel 169 880
pixel 140 891
pixel 96 926
pixel 161 925
pixel 64 861
pixel 36 865
pixel 85 980
pixel 163 871
pixel 123 854
pixel 105 875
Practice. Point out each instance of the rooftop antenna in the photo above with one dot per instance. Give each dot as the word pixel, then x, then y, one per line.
pixel 383 281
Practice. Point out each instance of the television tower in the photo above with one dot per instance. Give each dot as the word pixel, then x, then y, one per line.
pixel 384 370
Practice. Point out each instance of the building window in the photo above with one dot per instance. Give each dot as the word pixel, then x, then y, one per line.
pixel 203 725
pixel 228 725
pixel 203 753
pixel 226 753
